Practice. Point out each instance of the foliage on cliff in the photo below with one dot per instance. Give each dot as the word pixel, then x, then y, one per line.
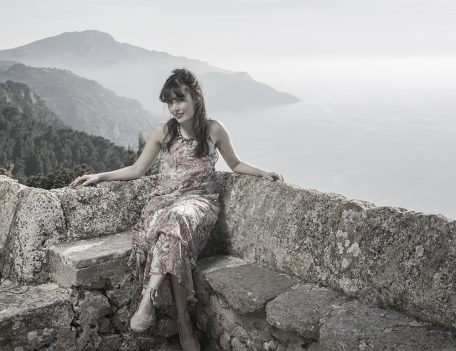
pixel 37 149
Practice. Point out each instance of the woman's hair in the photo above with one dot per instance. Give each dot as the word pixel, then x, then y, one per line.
pixel 178 82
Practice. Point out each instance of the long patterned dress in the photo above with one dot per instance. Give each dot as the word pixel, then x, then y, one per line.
pixel 176 222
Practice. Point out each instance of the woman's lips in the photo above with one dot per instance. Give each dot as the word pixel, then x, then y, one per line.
pixel 178 116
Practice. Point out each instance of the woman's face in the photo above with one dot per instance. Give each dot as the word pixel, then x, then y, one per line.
pixel 182 108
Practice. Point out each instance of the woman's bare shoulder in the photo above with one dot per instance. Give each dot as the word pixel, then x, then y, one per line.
pixel 213 128
pixel 162 129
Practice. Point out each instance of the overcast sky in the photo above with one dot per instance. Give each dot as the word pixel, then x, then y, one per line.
pixel 247 35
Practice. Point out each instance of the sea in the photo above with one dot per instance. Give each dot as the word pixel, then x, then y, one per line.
pixel 387 140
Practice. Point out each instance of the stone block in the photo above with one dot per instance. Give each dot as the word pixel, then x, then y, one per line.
pixel 247 288
pixel 302 309
pixel 355 326
pixel 37 223
pixel 211 264
pixel 40 316
pixel 10 190
pixel 91 262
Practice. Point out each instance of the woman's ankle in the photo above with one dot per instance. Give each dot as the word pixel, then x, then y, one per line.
pixel 183 318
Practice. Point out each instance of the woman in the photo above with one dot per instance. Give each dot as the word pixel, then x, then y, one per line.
pixel 175 225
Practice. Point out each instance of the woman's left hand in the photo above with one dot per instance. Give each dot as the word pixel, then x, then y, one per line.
pixel 273 176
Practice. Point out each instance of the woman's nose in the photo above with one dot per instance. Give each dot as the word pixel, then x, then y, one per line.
pixel 174 106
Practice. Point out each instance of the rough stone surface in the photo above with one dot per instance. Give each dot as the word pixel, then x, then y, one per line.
pixel 382 255
pixel 247 288
pixel 9 198
pixel 355 326
pixel 37 223
pixel 90 262
pixel 210 264
pixel 38 318
pixel 104 209
pixel 303 309
pixel 306 317
pixel 385 256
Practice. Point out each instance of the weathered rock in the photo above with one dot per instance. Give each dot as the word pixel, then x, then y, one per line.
pixel 383 255
pixel 236 345
pixel 303 309
pixel 224 342
pixel 9 198
pixel 40 317
pixel 247 288
pixel 104 209
pixel 37 223
pixel 91 263
pixel 355 326
pixel 210 264
pixel 92 315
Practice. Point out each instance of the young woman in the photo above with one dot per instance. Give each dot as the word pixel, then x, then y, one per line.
pixel 175 224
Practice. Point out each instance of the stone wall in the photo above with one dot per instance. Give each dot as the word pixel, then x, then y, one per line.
pixel 33 219
pixel 385 256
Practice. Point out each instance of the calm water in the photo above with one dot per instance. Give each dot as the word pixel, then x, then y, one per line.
pixel 392 151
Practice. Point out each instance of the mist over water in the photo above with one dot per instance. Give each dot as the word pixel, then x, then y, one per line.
pixel 381 131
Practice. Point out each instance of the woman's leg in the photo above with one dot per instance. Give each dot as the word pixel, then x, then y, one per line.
pixel 145 306
pixel 183 318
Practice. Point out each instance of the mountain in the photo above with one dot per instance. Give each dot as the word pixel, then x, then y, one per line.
pixel 243 90
pixel 84 104
pixel 25 101
pixel 139 73
pixel 31 141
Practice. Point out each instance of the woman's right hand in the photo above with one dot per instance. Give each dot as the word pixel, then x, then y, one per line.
pixel 85 179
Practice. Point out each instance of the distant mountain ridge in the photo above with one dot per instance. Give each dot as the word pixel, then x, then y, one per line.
pixel 84 104
pixel 139 73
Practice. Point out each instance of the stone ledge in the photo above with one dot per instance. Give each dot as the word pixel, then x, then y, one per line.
pixel 90 262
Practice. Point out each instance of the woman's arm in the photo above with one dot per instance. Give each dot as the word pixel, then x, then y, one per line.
pixel 144 161
pixel 137 170
pixel 228 153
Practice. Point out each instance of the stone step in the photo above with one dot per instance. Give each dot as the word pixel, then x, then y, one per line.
pixel 248 287
pixel 249 307
pixel 91 262
pixel 36 317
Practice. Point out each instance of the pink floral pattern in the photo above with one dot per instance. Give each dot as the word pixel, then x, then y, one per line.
pixel 175 224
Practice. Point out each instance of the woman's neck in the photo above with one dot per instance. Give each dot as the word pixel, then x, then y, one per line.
pixel 186 130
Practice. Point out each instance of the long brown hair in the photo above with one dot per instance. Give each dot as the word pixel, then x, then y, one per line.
pixel 178 82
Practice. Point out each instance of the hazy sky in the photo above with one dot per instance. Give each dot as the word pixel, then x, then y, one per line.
pixel 237 33
pixel 282 43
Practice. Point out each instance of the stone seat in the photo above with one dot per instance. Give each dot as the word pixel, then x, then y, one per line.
pixel 91 262
pixel 99 263
pixel 245 306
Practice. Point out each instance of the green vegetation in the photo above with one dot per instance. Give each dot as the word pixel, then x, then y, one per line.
pixel 40 155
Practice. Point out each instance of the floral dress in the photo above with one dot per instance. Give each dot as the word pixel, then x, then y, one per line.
pixel 176 222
